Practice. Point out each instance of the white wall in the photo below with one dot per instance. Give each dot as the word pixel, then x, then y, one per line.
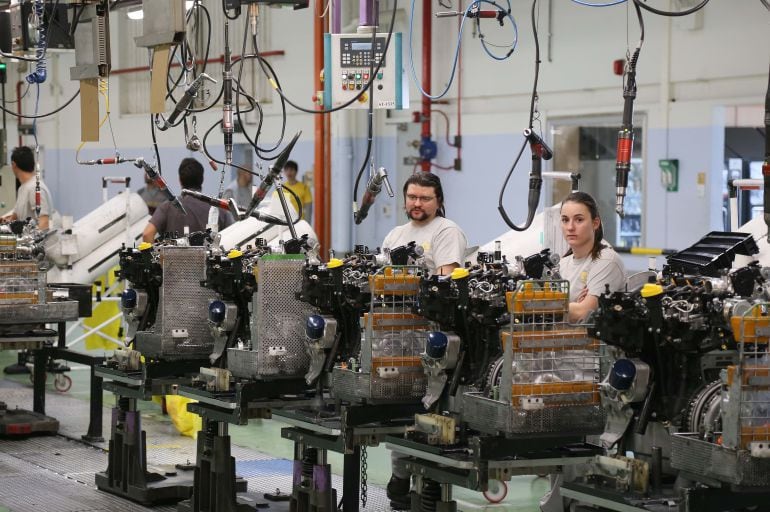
pixel 686 78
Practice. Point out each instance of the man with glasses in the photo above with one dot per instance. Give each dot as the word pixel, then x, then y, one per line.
pixel 444 244
pixel 443 240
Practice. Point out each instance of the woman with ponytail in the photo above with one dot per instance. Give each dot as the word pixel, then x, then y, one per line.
pixel 590 264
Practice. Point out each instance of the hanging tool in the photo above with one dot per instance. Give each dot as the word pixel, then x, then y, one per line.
pixel 626 134
pixel 271 176
pixel 376 180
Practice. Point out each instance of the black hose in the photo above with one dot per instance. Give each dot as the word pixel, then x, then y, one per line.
pixel 698 7
pixel 370 124
pixel 535 181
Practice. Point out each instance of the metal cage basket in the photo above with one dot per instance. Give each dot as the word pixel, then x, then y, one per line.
pixel 181 324
pixel 741 455
pixel 548 378
pixel 277 324
pixel 389 368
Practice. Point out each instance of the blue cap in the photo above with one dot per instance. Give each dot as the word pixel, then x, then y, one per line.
pixel 128 298
pixel 217 310
pixel 315 326
pixel 435 344
pixel 622 374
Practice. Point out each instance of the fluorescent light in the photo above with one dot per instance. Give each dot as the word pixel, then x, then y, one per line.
pixel 135 13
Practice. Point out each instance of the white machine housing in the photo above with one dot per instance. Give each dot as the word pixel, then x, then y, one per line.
pixel 90 247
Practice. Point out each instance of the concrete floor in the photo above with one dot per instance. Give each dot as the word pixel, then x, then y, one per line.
pixel 264 436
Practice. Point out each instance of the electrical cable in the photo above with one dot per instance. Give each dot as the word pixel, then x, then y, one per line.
pixel 446 119
pixel 370 126
pixel 535 180
pixel 355 98
pixel 258 149
pixel 40 116
pixel 671 13
pixel 155 145
pixel 457 46
pixel 210 157
pixel 254 143
pixel 186 70
pixel 24 94
pixel 608 4
pixel 325 11
pixel 485 45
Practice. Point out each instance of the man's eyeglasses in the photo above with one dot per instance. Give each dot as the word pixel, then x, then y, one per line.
pixel 422 199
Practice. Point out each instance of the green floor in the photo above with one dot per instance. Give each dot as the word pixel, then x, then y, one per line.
pixel 265 436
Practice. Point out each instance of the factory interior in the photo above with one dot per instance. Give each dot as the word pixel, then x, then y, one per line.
pixel 418 255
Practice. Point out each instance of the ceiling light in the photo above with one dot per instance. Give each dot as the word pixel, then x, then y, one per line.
pixel 135 13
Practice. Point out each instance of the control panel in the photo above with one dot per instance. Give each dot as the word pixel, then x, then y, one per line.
pixel 347 67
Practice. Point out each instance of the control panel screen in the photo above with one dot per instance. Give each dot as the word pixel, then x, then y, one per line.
pixel 355 52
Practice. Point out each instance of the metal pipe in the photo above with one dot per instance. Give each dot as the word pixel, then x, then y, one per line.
pixel 319 175
pixel 328 178
pixel 18 109
pixel 368 13
pixel 459 140
pixel 336 16
pixel 427 54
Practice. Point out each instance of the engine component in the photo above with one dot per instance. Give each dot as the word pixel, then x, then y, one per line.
pixel 180 329
pixel 712 254
pixel 276 345
pixel 546 381
pixel 441 354
pixel 320 334
pixel 388 368
pixel 438 429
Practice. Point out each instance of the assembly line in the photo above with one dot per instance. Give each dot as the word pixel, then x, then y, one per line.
pixel 315 266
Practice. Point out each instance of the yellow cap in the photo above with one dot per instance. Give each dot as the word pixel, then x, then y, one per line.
pixel 144 246
pixel 651 290
pixel 334 263
pixel 459 273
pixel 234 253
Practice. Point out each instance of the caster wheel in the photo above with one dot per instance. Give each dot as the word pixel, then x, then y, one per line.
pixel 62 383
pixel 496 492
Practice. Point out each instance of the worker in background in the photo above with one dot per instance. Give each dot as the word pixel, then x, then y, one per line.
pixel 23 167
pixel 240 189
pixel 151 194
pixel 299 188
pixel 168 219
pixel 590 263
pixel 445 245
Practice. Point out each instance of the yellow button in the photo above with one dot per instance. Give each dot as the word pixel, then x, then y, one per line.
pixel 651 290
pixel 144 246
pixel 234 253
pixel 334 263
pixel 459 273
